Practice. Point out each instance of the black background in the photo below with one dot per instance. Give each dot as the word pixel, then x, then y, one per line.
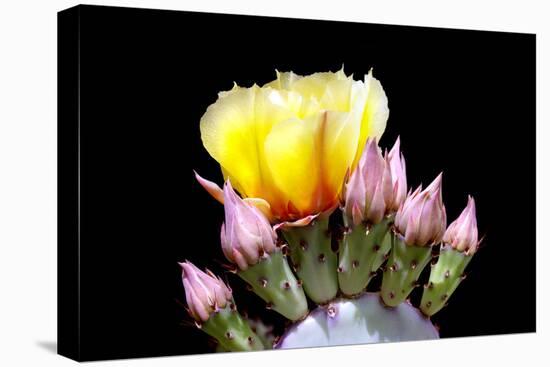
pixel 462 102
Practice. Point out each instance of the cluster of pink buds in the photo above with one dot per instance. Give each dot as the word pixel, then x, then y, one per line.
pixel 378 185
pixel 246 234
pixel 205 293
pixel 422 218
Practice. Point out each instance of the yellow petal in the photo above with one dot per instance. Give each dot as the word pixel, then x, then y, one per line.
pixel 290 147
pixel 315 85
pixel 227 131
pixel 338 95
pixel 284 80
pixel 233 131
pixel 339 139
pixel 262 205
pixel 375 114
pixel 376 109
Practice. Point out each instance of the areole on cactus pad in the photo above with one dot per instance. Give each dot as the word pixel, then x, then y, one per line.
pixel 297 153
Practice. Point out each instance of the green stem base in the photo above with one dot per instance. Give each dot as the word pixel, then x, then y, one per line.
pixel 262 331
pixel 231 331
pixel 362 253
pixel 313 259
pixel 445 276
pixel 402 270
pixel 274 282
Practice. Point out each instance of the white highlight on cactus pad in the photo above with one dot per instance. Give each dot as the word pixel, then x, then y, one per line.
pixel 358 321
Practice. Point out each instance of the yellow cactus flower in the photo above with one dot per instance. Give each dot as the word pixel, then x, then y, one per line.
pixel 287 146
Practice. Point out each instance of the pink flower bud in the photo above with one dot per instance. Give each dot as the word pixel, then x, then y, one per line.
pixel 398 177
pixel 246 234
pixel 369 189
pixel 421 219
pixel 205 293
pixel 462 234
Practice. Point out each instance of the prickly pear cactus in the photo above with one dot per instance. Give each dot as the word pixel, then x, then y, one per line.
pixel 299 156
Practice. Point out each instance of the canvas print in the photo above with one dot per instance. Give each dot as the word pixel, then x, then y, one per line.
pixel 314 184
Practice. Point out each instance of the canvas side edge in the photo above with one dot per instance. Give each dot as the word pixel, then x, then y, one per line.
pixel 68 130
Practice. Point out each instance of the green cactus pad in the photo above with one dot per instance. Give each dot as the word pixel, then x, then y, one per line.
pixel 274 282
pixel 402 270
pixel 262 331
pixel 358 321
pixel 445 276
pixel 231 331
pixel 384 252
pixel 313 259
pixel 363 251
